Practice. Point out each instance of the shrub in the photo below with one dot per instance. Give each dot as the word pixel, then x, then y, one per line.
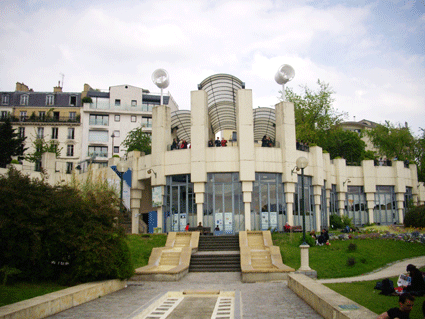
pixel 309 240
pixel 415 217
pixel 351 261
pixel 335 221
pixel 61 233
pixel 352 247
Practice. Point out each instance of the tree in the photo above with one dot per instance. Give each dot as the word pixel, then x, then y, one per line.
pixel 65 233
pixel 137 140
pixel 420 156
pixel 11 144
pixel 314 113
pixel 41 147
pixel 393 141
pixel 341 143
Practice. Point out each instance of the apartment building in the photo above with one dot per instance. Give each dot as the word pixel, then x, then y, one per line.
pixel 108 117
pixel 51 116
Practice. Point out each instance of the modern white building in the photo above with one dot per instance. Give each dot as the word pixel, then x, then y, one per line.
pixel 111 115
pixel 248 187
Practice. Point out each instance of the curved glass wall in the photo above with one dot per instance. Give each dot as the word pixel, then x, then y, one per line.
pixel 180 206
pixel 385 210
pixel 223 205
pixel 356 205
pixel 268 207
pixel 310 221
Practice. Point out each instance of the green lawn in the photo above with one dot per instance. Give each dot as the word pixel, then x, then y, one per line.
pixel 140 247
pixel 21 291
pixel 331 261
pixel 364 294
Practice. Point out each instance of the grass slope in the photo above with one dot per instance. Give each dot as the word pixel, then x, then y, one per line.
pixel 364 294
pixel 331 261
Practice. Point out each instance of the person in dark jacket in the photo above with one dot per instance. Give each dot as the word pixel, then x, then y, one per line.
pixel 417 283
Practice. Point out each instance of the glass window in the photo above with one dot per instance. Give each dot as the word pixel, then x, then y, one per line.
pixel 4 114
pixel 223 206
pixel 24 99
pixel 117 133
pixel 5 99
pixel 71 133
pixel 40 132
pixel 146 122
pixel 179 203
pixel 72 116
pixel 42 115
pixel 310 220
pixel 69 166
pixel 133 118
pixel 356 205
pixel 73 100
pixel 117 118
pixel 55 132
pixel 117 102
pixel 98 151
pixel 23 116
pixel 269 208
pixel 50 100
pixel 116 149
pixel 98 136
pixel 133 103
pixel 70 150
pixel 385 210
pixel 96 119
pixel 21 131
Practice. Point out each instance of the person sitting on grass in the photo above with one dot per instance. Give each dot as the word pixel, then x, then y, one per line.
pixel 417 283
pixel 406 302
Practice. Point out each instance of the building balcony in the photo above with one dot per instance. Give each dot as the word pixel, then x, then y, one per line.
pixel 45 119
pixel 130 108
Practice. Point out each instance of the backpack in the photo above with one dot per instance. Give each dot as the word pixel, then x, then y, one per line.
pixel 387 287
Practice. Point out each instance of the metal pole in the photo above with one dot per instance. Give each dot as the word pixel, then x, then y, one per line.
pixel 121 187
pixel 303 203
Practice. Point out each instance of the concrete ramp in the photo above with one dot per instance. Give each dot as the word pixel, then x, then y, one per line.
pixel 260 260
pixel 170 263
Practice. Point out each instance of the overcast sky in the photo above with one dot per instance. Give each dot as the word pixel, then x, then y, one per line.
pixel 372 53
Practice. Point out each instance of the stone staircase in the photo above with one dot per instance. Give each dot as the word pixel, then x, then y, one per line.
pixel 216 254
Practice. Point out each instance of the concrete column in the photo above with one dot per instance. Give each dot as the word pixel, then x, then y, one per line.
pixel 247 211
pixel 245 133
pixel 160 217
pixel 135 197
pixel 317 213
pixel 199 189
pixel 370 198
pixel 304 258
pixel 289 197
pixel 285 138
pixel 400 202
pixel 161 137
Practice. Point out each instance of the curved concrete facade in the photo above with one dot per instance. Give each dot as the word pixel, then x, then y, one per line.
pixel 248 187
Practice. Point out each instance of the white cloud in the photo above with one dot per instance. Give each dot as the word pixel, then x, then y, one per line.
pixel 106 43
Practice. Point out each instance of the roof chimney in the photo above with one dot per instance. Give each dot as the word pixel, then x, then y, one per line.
pixel 21 87
pixel 57 88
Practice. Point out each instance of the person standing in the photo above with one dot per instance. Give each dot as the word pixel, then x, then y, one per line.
pixel 217 142
pixel 187 227
pixel 406 302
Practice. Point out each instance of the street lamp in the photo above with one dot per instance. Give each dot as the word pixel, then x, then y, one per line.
pixel 122 167
pixel 113 136
pixel 302 163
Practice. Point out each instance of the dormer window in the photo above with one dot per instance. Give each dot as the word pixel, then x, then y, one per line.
pixel 50 99
pixel 73 100
pixel 5 99
pixel 24 99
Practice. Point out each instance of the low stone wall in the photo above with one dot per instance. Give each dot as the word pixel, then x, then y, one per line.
pixel 49 304
pixel 328 303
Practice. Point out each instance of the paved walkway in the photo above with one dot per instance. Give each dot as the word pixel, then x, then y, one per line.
pixel 391 270
pixel 252 300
